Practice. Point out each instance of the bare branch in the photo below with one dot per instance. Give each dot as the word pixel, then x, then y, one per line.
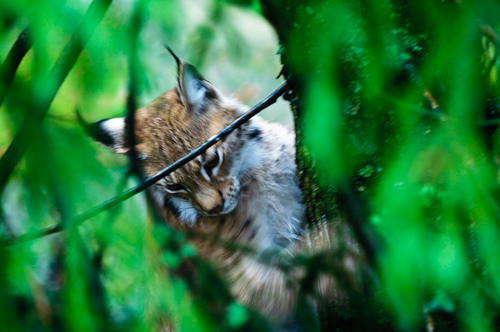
pixel 31 123
pixel 271 99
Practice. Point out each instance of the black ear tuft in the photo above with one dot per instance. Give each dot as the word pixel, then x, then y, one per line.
pixel 195 91
pixel 108 132
pixel 87 127
pixel 173 54
pixel 95 130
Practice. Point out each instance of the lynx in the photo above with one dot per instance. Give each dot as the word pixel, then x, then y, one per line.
pixel 243 190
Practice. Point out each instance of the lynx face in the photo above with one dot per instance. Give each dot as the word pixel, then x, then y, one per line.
pixel 249 177
pixel 173 125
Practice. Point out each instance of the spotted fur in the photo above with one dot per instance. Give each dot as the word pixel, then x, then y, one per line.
pixel 249 195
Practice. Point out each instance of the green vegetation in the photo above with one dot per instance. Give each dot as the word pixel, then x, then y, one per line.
pixel 396 107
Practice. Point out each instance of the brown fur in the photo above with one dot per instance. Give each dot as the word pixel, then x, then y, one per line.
pixel 267 218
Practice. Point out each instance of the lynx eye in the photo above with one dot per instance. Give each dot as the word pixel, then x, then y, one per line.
pixel 212 163
pixel 176 187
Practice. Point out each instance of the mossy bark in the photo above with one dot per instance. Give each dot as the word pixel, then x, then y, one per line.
pixel 393 77
pixel 319 204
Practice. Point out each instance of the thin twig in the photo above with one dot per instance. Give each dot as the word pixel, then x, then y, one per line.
pixel 32 122
pixel 360 224
pixel 13 60
pixel 416 78
pixel 271 99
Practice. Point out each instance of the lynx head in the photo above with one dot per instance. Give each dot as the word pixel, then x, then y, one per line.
pixel 173 125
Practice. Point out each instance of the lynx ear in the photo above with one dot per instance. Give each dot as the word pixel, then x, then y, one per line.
pixel 195 91
pixel 109 132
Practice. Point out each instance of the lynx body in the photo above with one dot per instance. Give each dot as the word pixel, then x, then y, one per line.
pixel 243 189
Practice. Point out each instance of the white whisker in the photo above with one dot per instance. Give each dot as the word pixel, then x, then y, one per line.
pixel 246 183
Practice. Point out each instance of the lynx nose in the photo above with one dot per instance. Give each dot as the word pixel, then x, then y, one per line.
pixel 218 209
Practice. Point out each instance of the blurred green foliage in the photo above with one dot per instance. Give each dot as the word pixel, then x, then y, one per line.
pixel 396 106
pixel 109 273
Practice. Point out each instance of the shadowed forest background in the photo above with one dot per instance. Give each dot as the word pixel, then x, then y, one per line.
pixel 396 109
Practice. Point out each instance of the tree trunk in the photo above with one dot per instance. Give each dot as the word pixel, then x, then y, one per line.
pixel 389 101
